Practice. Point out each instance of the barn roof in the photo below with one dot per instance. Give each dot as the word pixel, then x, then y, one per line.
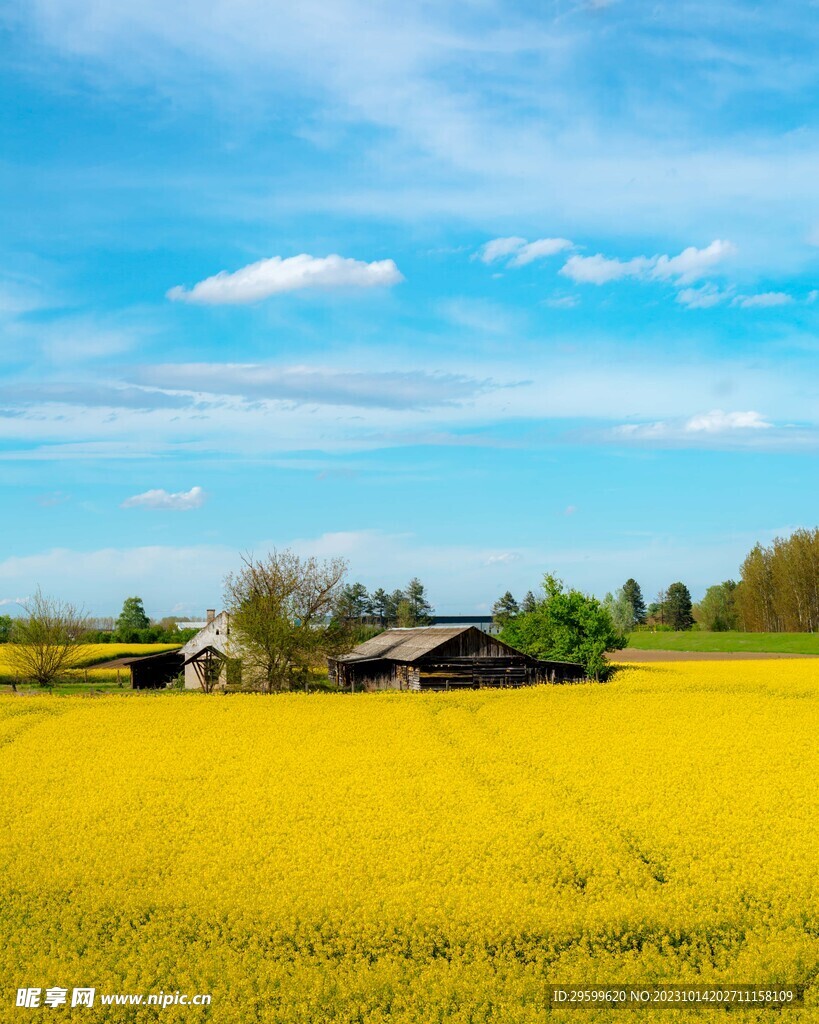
pixel 404 644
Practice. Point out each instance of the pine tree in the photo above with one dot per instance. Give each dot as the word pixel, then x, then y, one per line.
pixel 504 609
pixel 353 602
pixel 380 604
pixel 634 595
pixel 416 596
pixel 678 607
pixel 529 603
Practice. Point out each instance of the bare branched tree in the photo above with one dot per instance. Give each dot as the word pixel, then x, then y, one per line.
pixel 280 616
pixel 45 642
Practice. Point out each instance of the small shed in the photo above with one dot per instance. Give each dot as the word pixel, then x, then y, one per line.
pixel 153 671
pixel 436 658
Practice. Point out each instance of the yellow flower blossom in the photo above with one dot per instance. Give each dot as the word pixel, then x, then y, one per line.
pixel 415 858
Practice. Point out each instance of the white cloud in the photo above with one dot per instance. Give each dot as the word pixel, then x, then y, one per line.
pixel 600 269
pixel 539 249
pixel 718 422
pixel 692 263
pixel 701 298
pixel 163 575
pixel 181 501
pixel 276 275
pixel 689 265
pixel 521 251
pixel 763 300
pixel 498 248
pixel 460 578
pixel 562 302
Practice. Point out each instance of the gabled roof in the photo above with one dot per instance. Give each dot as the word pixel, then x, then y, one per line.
pixel 212 634
pixel 126 662
pixel 404 644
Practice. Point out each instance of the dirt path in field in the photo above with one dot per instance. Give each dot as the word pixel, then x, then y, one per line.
pixel 634 654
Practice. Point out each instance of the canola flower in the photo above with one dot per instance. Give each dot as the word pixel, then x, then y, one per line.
pixel 89 655
pixel 415 857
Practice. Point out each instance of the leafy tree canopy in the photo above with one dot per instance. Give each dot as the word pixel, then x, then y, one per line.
pixel 621 610
pixel 566 625
pixel 717 610
pixel 132 618
pixel 279 610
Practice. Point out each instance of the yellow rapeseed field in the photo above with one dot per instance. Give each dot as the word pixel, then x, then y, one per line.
pixel 414 857
pixel 90 655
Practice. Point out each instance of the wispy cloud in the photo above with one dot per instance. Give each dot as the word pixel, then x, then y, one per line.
pixel 705 297
pixel 179 501
pixel 518 252
pixel 92 394
pixel 409 389
pixel 276 275
pixel 687 266
pixel 763 300
pixel 504 558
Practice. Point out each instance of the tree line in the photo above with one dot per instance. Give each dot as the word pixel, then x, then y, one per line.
pixel 626 607
pixel 778 590
pixel 408 607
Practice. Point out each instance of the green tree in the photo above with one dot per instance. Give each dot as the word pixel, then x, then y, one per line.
pixel 529 603
pixel 657 611
pixel 131 619
pixel 566 625
pixel 353 602
pixel 404 615
pixel 717 610
pixel 395 599
pixel 621 610
pixel 634 595
pixel 420 608
pixel 5 628
pixel 678 610
pixel 504 609
pixel 380 605
pixel 280 623
pixel 45 642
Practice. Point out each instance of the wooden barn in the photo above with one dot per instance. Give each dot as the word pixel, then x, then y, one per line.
pixel 153 671
pixel 436 658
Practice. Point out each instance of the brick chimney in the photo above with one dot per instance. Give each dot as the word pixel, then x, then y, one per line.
pixel 210 614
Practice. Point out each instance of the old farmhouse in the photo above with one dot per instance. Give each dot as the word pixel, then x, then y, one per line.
pixel 440 658
pixel 205 661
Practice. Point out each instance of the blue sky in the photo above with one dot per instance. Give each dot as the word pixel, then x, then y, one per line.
pixel 468 291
